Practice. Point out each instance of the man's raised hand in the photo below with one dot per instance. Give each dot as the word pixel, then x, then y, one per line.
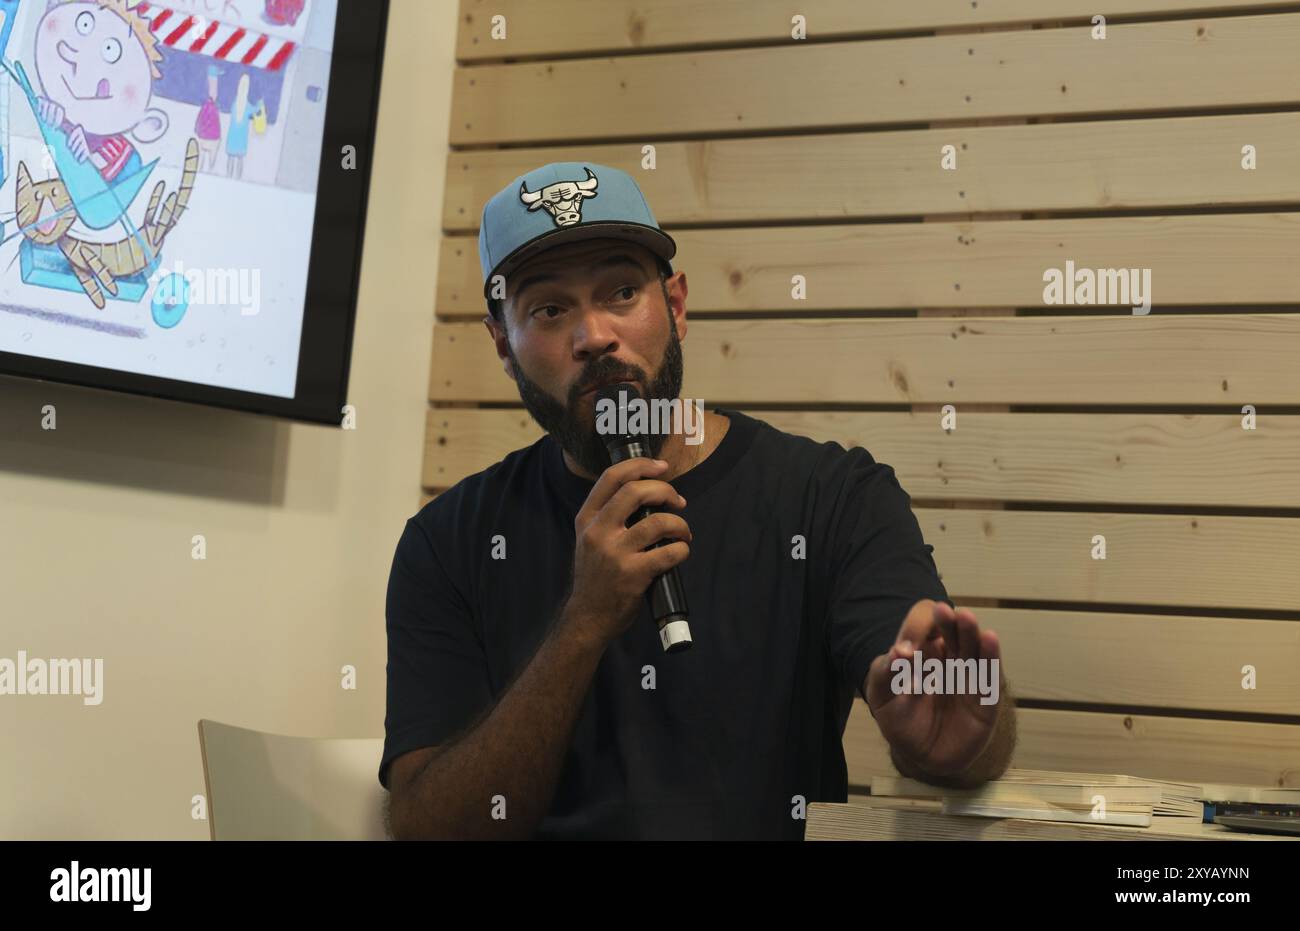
pixel 940 734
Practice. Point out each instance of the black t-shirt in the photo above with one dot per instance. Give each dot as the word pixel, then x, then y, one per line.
pixel 805 559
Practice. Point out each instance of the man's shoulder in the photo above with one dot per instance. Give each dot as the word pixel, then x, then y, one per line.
pixel 825 479
pixel 474 496
pixel 820 456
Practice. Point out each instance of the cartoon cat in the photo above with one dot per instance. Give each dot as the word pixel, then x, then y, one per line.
pixel 46 214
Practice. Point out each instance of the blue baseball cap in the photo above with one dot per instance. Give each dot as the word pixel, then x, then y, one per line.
pixel 560 203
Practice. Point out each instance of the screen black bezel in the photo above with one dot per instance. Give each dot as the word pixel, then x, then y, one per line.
pixel 334 266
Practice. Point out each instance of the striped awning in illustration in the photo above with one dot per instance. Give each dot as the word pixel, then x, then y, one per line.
pixel 193 33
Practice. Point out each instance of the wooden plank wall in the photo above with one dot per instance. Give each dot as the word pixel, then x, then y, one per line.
pixel 821 157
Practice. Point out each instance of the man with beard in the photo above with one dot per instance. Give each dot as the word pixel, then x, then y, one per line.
pixel 529 693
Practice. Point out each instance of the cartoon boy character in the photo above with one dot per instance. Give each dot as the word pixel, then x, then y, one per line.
pixel 96 63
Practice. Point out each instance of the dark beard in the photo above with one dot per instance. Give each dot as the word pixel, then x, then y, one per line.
pixel 563 423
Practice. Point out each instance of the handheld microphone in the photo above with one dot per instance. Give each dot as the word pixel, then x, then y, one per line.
pixel 665 596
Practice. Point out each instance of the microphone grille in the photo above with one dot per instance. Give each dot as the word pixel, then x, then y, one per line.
pixel 618 397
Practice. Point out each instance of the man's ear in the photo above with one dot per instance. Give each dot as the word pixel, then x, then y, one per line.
pixel 498 333
pixel 151 126
pixel 679 319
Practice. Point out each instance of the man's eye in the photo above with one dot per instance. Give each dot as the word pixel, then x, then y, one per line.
pixel 546 307
pixel 629 287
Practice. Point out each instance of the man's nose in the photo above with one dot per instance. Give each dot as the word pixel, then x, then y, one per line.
pixel 594 335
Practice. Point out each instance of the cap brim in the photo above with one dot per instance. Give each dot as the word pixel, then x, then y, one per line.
pixel 656 240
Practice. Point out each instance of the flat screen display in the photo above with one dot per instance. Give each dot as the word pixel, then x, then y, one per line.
pixel 183 194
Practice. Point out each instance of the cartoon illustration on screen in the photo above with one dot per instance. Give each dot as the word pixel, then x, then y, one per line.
pixel 46 212
pixel 158 174
pixel 97 61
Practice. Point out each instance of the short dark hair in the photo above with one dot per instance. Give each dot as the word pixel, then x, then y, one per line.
pixel 496 307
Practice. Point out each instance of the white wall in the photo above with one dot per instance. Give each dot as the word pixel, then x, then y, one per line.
pixel 96 519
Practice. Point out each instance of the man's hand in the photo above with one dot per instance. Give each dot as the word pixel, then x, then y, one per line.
pixel 940 735
pixel 613 564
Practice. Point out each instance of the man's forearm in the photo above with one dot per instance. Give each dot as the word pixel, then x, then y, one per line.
pixel 515 752
pixel 990 764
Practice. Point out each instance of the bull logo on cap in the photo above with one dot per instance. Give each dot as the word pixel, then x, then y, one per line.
pixel 562 200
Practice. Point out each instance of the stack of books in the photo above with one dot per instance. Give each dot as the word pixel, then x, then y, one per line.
pixel 1095 798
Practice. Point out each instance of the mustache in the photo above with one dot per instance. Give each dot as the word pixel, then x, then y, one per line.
pixel 598 380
